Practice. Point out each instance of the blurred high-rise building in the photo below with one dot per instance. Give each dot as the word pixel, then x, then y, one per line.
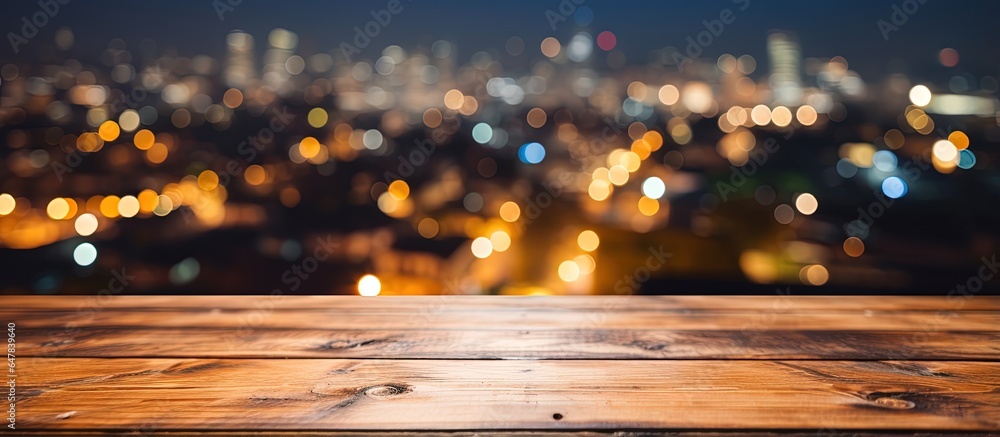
pixel 278 66
pixel 786 65
pixel 240 63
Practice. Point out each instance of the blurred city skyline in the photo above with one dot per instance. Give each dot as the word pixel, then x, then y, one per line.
pixel 565 147
pixel 849 29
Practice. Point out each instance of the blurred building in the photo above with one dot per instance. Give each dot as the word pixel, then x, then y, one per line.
pixel 786 67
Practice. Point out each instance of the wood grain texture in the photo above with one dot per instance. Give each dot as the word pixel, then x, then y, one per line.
pixel 464 365
pixel 193 394
pixel 348 318
pixel 511 433
pixel 430 304
pixel 510 344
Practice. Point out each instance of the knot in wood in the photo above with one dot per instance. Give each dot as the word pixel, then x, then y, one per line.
pixel 895 403
pixel 382 391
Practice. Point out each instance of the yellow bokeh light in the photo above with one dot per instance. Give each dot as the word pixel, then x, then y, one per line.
pixel 128 206
pixel 428 227
pixel 637 91
pixel 176 194
pixel 109 131
pixel 814 275
pixel 7 204
pixel 129 120
pixel 369 286
pixel 736 116
pixel 233 98
pixel 588 240
pixel 550 47
pixel 536 117
pixel 148 199
pixel 387 203
pixel 806 115
pixel 89 142
pixel 208 180
pixel 569 271
pixel 758 266
pixel 894 138
pixel 500 241
pixel 781 116
pixel 806 203
pixel 109 206
pixel 510 212
pixel 681 132
pixel 318 117
pixel 959 139
pixel 618 175
pixel 669 94
pixel 599 189
pixel 854 247
pixel 57 209
pixel 290 197
pixel 73 208
pixel 469 106
pixel 309 147
pixel 144 139
pixel 164 204
pixel 654 139
pixel 586 263
pixel 399 189
pixel 454 99
pixel 920 95
pixel 482 247
pixel 432 118
pixel 255 175
pixel 631 161
pixel 157 153
pixel 615 157
pixel 761 115
pixel 945 151
pixel 86 224
pixel 648 207
pixel 601 174
pixel 641 148
pixel 860 154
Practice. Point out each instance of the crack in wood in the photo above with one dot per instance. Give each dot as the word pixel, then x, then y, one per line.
pixel 335 345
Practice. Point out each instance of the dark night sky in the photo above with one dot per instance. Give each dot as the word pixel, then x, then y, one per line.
pixel 827 28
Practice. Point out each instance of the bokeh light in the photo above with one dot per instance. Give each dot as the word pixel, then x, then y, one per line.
pixel 894 187
pixel 369 286
pixel 85 254
pixel 588 240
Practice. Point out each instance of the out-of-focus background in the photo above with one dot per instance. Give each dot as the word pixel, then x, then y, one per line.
pixel 519 147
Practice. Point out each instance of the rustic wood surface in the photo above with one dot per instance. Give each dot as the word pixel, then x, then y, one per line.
pixel 508 365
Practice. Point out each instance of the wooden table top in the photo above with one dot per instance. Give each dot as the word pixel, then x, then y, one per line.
pixel 273 365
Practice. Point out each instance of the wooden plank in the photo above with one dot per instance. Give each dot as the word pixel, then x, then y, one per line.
pixel 510 344
pixel 510 433
pixel 504 303
pixel 237 394
pixel 345 318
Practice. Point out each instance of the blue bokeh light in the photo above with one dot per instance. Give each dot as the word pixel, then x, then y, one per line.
pixel 885 160
pixel 894 187
pixel 482 133
pixel 966 159
pixel 531 153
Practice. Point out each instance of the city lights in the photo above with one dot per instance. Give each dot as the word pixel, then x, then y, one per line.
pixel 526 154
